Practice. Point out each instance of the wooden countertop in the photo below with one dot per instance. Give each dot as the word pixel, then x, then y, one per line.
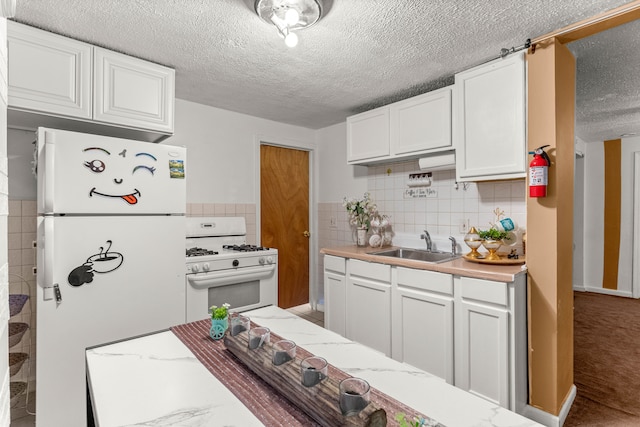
pixel 459 266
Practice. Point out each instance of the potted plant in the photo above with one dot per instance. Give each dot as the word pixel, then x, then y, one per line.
pixel 219 320
pixel 492 239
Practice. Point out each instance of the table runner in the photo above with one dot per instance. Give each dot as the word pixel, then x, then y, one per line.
pixel 266 403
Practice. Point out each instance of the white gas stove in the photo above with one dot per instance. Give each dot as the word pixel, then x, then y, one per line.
pixel 222 268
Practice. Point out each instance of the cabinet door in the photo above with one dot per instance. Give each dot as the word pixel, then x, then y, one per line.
pixel 421 123
pixel 369 313
pixel 489 121
pixel 48 73
pixel 425 332
pixel 368 135
pixel 335 293
pixel 484 352
pixel 335 300
pixel 132 92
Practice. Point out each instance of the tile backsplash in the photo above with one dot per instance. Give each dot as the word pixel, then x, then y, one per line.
pixel 442 212
pixel 448 206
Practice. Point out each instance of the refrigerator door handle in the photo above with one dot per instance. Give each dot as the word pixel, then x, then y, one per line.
pixel 48 262
pixel 49 155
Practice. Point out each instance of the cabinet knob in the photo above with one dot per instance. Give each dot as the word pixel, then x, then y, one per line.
pixel 306 233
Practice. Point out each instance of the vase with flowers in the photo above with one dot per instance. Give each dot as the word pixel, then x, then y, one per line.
pixel 360 212
pixel 219 321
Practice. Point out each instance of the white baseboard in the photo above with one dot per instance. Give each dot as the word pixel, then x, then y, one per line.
pixel 613 292
pixel 548 419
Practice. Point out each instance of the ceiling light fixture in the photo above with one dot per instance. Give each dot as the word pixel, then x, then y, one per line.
pixel 289 16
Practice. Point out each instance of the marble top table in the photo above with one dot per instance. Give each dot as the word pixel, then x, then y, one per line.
pixel 156 380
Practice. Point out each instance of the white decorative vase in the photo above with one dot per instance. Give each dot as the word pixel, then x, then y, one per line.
pixel 361 236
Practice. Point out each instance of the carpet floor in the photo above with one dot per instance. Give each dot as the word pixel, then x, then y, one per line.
pixel 606 361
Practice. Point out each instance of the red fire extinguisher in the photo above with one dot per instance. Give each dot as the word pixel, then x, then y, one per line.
pixel 539 172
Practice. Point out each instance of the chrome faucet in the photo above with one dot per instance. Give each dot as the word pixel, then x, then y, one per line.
pixel 427 239
pixel 453 245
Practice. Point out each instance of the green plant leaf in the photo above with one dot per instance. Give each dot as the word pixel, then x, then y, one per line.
pixel 492 234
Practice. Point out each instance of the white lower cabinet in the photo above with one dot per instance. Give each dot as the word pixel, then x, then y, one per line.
pixel 368 305
pixel 422 321
pixel 335 292
pixel 470 332
pixel 491 340
pixel 484 366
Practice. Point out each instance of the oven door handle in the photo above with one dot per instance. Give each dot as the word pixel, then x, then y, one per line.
pixel 229 277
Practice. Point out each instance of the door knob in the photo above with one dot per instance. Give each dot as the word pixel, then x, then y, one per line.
pixel 306 234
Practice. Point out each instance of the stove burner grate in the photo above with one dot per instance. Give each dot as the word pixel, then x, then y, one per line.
pixel 191 252
pixel 244 248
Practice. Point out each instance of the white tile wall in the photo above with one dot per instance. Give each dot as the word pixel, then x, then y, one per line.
pixel 453 204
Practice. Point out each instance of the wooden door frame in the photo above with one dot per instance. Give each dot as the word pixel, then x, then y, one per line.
pixel 635 288
pixel 278 141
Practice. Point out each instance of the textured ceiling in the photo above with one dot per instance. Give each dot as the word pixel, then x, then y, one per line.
pixel 608 83
pixel 362 54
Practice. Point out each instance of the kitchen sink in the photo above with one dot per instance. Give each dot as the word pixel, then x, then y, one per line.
pixel 418 255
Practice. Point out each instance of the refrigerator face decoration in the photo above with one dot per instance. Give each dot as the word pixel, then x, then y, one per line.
pixel 115 182
pixel 102 175
pixel 103 262
pixel 110 256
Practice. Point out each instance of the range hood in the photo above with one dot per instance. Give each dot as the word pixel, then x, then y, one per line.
pixel 445 160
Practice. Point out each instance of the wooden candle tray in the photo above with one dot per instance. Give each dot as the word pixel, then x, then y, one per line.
pixel 320 402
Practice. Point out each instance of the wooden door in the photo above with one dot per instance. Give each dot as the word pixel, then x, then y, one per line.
pixel 284 218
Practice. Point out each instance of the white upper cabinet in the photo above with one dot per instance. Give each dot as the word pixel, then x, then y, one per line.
pixel 131 92
pixel 368 136
pixel 48 72
pixel 56 81
pixel 402 130
pixel 489 120
pixel 421 123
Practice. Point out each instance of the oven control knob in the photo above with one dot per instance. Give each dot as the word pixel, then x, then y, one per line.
pixel 269 260
pixel 235 263
pixel 261 261
pixel 195 268
pixel 205 266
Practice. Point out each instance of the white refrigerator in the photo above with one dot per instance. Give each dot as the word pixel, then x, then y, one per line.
pixel 110 257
